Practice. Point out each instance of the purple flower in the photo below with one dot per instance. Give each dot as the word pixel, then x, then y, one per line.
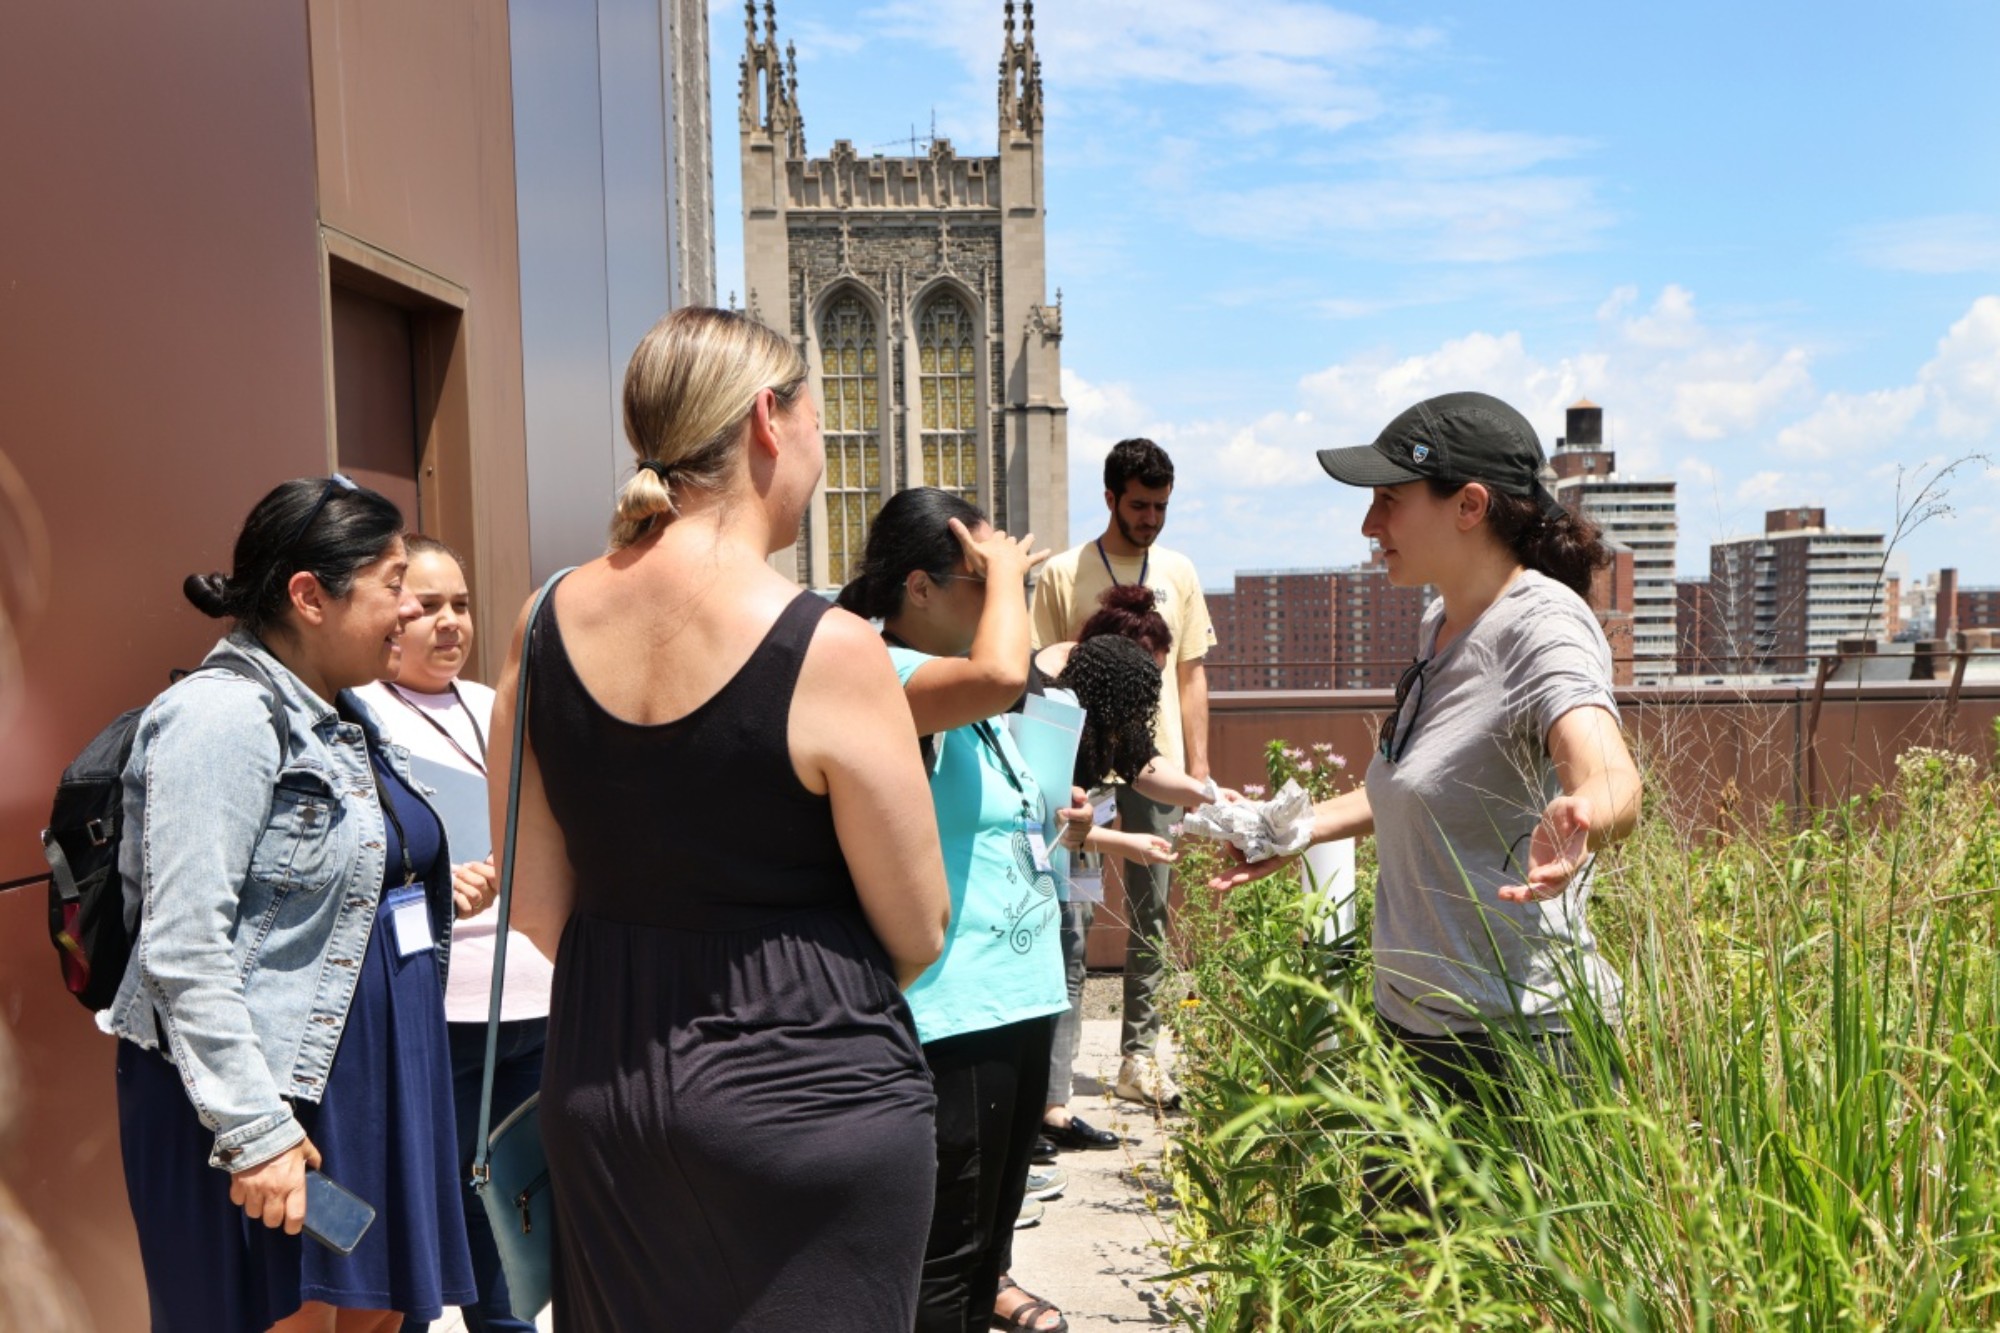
pixel 1305 765
pixel 1253 790
pixel 1337 760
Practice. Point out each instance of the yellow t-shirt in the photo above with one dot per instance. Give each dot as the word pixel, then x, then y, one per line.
pixel 1067 593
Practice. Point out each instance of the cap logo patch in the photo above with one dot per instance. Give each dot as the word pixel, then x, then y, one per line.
pixel 1419 452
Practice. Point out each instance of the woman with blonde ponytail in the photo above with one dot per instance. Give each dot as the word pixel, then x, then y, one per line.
pixel 727 848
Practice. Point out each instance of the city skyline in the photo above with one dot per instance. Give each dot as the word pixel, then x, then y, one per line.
pixel 1769 248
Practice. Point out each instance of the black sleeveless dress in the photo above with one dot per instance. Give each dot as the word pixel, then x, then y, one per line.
pixel 737 1114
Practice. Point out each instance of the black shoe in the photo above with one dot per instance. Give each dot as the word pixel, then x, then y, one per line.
pixel 1078 1135
pixel 1043 1152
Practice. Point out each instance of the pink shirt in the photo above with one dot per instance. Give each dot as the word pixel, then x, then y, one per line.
pixel 452 730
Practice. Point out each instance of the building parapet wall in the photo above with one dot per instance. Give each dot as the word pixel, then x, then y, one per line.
pixel 845 180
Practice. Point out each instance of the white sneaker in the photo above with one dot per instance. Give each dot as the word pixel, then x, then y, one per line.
pixel 1047 1182
pixel 1142 1080
pixel 1030 1215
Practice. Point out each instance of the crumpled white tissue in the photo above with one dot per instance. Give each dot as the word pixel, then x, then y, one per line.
pixel 1258 829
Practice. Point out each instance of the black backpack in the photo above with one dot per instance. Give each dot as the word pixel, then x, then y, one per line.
pixel 86 892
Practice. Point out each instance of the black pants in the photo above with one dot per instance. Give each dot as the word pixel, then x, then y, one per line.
pixel 990 1087
pixel 1465 1069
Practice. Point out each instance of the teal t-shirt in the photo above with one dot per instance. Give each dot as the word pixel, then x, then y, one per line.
pixel 1002 960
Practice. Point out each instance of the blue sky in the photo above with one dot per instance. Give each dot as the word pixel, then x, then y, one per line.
pixel 1765 237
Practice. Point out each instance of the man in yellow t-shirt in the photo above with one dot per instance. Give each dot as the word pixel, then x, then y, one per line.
pixel 1138 482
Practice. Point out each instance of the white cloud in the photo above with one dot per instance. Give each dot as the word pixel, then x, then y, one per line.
pixel 1769 489
pixel 1477 220
pixel 1847 425
pixel 1737 421
pixel 1295 65
pixel 1946 243
pixel 1696 471
pixel 1964 376
pixel 1179 95
pixel 1724 391
pixel 1670 323
pixel 1473 153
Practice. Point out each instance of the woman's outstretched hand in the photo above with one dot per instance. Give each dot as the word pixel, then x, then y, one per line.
pixel 1558 852
pixel 1243 872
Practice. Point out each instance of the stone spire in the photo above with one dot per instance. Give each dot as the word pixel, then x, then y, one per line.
pixel 797 138
pixel 767 93
pixel 1020 74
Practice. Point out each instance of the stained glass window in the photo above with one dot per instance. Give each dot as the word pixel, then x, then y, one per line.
pixel 851 423
pixel 948 392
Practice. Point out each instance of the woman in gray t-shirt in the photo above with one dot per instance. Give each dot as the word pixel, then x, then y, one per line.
pixel 1502 767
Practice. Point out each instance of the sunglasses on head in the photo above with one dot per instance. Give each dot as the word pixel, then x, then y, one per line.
pixel 332 486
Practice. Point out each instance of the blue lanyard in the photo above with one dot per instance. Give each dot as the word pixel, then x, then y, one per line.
pixel 1145 563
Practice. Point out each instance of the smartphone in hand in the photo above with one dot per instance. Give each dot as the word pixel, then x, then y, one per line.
pixel 335 1217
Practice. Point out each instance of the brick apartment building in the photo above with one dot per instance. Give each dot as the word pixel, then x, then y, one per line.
pixel 1615 597
pixel 1782 600
pixel 1695 630
pixel 1961 608
pixel 1638 515
pixel 1313 629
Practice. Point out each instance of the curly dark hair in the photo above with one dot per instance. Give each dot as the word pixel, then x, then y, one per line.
pixel 1119 687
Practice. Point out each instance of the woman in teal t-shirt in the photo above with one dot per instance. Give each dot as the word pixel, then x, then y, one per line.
pixel 950 592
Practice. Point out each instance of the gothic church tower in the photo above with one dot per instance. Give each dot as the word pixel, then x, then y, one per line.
pixel 915 288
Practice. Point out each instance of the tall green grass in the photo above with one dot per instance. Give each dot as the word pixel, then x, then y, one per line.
pixel 1797 1127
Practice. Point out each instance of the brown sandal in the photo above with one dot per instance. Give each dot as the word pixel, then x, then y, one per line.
pixel 1028 1312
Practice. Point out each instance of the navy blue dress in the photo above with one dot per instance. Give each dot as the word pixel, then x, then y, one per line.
pixel 384 1129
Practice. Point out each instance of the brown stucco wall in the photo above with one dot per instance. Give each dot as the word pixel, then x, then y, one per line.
pixel 413 117
pixel 160 368
pixel 163 179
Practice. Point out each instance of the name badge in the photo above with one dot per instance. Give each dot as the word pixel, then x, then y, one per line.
pixel 1038 847
pixel 410 918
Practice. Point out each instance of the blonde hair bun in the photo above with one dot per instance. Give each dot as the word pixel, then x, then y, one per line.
pixel 688 390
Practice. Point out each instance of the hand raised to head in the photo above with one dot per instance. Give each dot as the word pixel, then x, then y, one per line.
pixel 996 557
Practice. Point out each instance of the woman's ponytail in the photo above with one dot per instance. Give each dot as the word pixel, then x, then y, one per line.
pixel 1558 542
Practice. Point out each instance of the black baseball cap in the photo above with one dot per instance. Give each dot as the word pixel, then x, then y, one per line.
pixel 1453 437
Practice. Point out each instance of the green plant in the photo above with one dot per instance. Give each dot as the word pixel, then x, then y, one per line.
pixel 1797 1127
pixel 1321 772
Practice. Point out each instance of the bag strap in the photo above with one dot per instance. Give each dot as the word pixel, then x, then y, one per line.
pixel 480 1169
pixel 59 872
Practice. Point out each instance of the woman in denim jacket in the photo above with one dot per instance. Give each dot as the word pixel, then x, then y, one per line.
pixel 283 1009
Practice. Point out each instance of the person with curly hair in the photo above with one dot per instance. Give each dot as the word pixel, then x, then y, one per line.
pixel 1118 686
pixel 1138 485
pixel 1125 614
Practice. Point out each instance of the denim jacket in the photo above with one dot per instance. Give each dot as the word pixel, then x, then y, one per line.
pixel 251 881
